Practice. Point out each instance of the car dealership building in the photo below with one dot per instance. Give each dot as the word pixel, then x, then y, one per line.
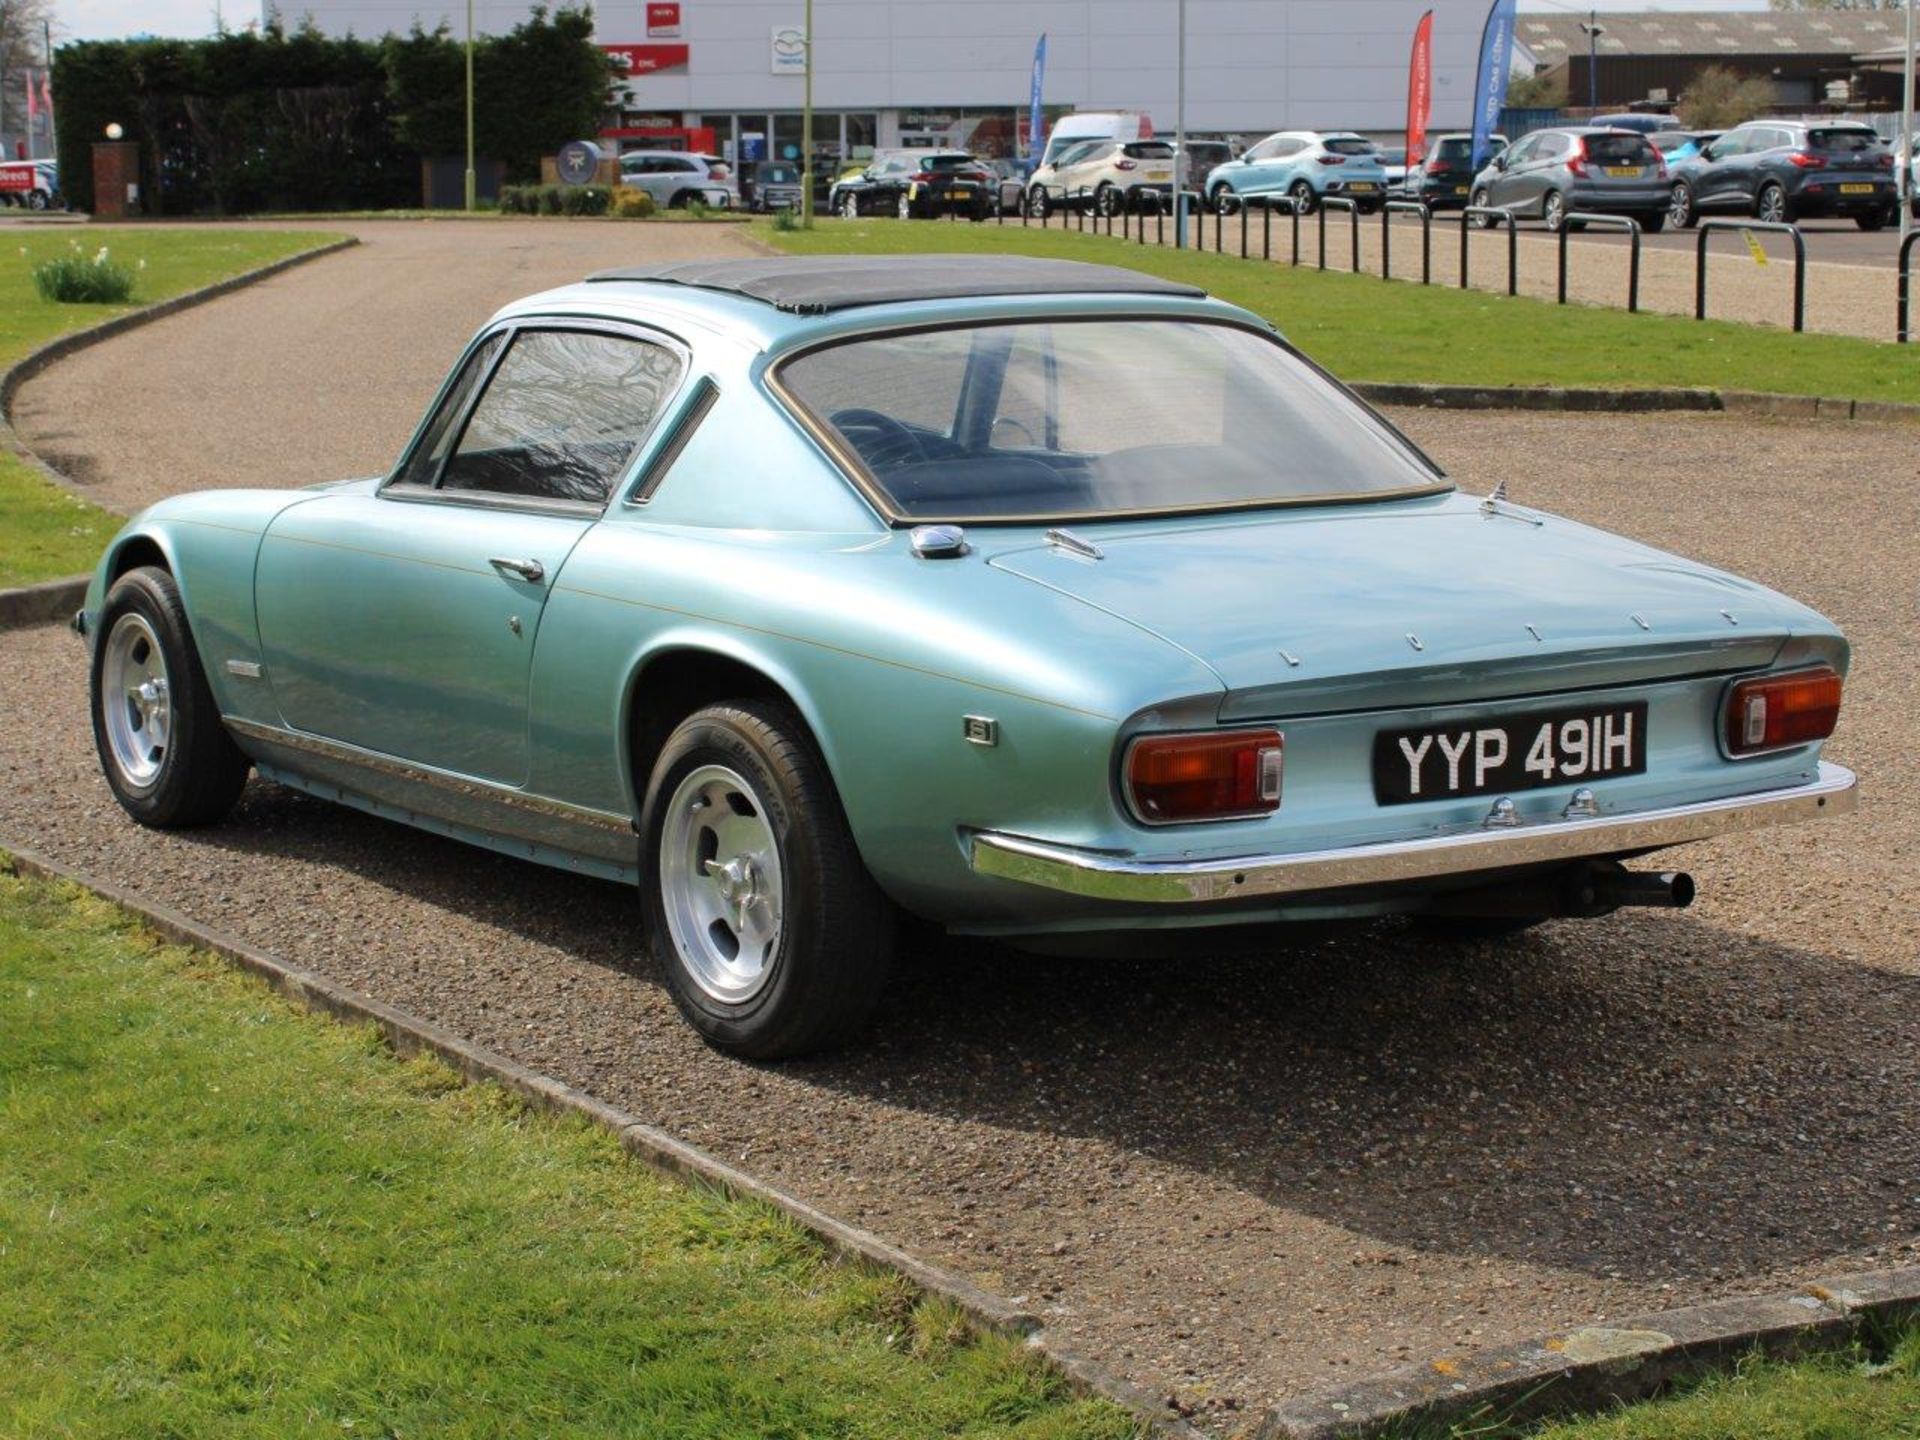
pixel 906 72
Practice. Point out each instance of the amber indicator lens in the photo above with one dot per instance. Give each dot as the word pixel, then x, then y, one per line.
pixel 1204 777
pixel 1780 711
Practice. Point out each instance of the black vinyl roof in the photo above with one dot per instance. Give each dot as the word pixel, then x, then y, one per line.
pixel 817 284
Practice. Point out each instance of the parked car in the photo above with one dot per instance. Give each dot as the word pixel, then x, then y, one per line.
pixel 1677 145
pixel 776 186
pixel 676 179
pixel 1393 160
pixel 1787 170
pixel 1040 600
pixel 1010 184
pixel 1202 158
pixel 31 184
pixel 1642 122
pixel 918 184
pixel 1545 174
pixel 1444 179
pixel 1307 167
pixel 1085 125
pixel 1105 177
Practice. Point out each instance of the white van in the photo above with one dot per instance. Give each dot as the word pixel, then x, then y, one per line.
pixel 1120 125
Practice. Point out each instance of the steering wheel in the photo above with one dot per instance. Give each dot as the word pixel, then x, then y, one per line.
pixel 890 443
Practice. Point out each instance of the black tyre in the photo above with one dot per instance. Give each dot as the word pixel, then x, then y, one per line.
pixel 1875 219
pixel 1039 203
pixel 1106 200
pixel 1653 222
pixel 167 758
pixel 1681 209
pixel 774 939
pixel 1225 201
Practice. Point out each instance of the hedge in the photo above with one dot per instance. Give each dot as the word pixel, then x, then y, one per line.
pixel 251 122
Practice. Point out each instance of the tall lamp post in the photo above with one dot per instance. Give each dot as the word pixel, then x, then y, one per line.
pixel 1594 30
pixel 1183 166
pixel 1905 189
pixel 806 127
pixel 470 185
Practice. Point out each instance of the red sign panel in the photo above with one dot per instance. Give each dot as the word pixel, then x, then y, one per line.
pixel 17 177
pixel 645 59
pixel 663 19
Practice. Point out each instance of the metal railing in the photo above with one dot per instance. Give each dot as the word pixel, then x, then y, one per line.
pixel 1493 214
pixel 1776 227
pixel 1352 207
pixel 1623 222
pixel 1406 207
pixel 1903 313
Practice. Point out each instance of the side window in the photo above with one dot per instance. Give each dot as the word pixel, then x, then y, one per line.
pixel 424 464
pixel 562 416
pixel 1288 148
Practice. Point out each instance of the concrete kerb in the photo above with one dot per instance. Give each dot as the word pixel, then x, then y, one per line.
pixel 1598 1366
pixel 56 599
pixel 654 1147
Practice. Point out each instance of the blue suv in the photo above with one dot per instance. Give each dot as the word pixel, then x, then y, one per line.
pixel 1307 166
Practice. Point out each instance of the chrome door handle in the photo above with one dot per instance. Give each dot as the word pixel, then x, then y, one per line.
pixel 532 571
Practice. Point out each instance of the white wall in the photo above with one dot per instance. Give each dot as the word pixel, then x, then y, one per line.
pixel 1252 65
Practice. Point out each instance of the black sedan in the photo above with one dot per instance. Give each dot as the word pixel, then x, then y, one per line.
pixel 918 184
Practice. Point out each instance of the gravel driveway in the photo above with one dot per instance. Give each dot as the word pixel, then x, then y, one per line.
pixel 1237 1177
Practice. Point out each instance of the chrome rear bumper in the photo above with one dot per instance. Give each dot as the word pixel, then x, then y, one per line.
pixel 1104 876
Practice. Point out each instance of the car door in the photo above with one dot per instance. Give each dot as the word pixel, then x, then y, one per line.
pixel 1508 185
pixel 1714 180
pixel 403 621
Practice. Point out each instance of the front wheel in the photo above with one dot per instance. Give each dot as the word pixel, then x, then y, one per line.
pixel 1225 201
pixel 1305 202
pixel 1039 203
pixel 167 758
pixel 1106 200
pixel 774 939
pixel 849 206
pixel 1680 207
pixel 904 209
pixel 1482 200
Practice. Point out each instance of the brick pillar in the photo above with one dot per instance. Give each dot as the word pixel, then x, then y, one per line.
pixel 116 179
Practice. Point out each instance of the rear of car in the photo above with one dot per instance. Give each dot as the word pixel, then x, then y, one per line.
pixel 776 186
pixel 1842 171
pixel 1347 166
pixel 1444 179
pixel 948 182
pixel 676 179
pixel 1617 172
pixel 1131 175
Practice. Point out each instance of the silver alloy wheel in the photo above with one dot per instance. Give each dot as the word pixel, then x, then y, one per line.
pixel 721 884
pixel 849 206
pixel 906 206
pixel 1553 211
pixel 1773 205
pixel 1680 207
pixel 136 701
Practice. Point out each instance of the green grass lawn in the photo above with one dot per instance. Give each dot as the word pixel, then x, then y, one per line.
pixel 45 532
pixel 220 1216
pixel 1364 329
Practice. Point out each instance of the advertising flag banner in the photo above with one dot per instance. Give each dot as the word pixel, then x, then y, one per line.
pixel 1034 133
pixel 1490 80
pixel 1420 90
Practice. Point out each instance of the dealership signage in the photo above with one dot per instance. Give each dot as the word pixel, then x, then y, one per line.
pixel 663 20
pixel 645 59
pixel 789 50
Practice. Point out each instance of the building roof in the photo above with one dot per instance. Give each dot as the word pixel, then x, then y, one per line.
pixel 1553 38
pixel 817 284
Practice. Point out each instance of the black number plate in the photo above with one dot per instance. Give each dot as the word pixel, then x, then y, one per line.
pixel 1497 757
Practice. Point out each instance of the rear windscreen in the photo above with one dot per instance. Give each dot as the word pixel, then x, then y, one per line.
pixel 1619 149
pixel 1348 145
pixel 1453 152
pixel 1846 142
pixel 1149 150
pixel 947 162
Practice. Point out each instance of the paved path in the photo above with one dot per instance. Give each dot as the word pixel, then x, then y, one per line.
pixel 320 373
pixel 1234 1177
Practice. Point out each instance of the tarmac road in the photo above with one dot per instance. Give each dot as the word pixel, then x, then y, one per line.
pixel 1235 1177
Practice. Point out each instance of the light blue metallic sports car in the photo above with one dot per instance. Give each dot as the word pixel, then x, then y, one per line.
pixel 1038 600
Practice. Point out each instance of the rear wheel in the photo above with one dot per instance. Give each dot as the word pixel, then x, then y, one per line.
pixel 774 939
pixel 1875 220
pixel 167 758
pixel 1106 199
pixel 1680 207
pixel 1654 221
pixel 1771 204
pixel 1464 929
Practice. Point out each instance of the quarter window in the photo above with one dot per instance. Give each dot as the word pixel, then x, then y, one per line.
pixel 562 416
pixel 424 465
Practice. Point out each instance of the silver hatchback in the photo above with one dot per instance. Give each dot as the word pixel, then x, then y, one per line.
pixel 1550 174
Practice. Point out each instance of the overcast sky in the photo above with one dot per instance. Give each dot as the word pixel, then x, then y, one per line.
pixel 113 19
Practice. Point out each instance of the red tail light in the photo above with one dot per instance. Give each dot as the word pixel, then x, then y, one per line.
pixel 1885 162
pixel 1777 712
pixel 1660 164
pixel 1577 161
pixel 1126 165
pixel 922 177
pixel 1332 159
pixel 1806 161
pixel 1218 775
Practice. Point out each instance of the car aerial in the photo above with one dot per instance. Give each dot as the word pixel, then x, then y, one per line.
pixel 1677 145
pixel 776 186
pixel 1443 180
pixel 676 179
pixel 31 184
pixel 1105 177
pixel 1547 174
pixel 1307 167
pixel 1786 170
pixel 918 184
pixel 1044 601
